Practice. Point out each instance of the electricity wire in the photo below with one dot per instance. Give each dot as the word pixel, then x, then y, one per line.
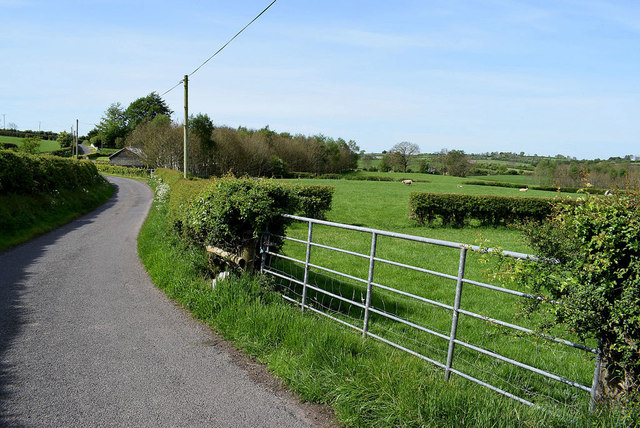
pixel 223 46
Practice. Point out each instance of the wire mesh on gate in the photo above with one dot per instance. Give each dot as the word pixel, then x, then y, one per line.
pixel 418 306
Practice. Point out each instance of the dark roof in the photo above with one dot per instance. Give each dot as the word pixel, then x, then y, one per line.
pixel 136 151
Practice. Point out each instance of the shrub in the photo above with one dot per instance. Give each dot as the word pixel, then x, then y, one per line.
pixel 596 277
pixel 233 211
pixel 314 201
pixel 65 152
pixel 8 146
pixel 456 209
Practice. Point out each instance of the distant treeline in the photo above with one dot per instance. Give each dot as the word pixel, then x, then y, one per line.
pixel 43 135
pixel 221 150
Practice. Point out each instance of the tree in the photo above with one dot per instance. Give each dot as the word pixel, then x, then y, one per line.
pixel 453 162
pixel 402 153
pixel 589 261
pixel 65 139
pixel 31 145
pixel 145 109
pixel 161 142
pixel 385 163
pixel 113 125
pixel 202 127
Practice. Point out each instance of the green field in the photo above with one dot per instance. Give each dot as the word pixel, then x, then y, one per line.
pixel 46 146
pixel 384 205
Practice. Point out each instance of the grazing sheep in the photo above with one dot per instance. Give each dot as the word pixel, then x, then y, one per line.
pixel 524 189
pixel 460 186
pixel 407 181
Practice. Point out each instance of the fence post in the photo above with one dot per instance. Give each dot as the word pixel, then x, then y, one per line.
pixel 367 304
pixel 264 247
pixel 596 378
pixel 456 308
pixel 306 267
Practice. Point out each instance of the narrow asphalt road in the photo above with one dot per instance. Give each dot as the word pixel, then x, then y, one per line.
pixel 86 339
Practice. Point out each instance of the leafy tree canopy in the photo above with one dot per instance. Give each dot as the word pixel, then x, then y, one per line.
pixel 117 122
pixel 31 145
pixel 113 125
pixel 201 127
pixel 65 139
pixel 145 108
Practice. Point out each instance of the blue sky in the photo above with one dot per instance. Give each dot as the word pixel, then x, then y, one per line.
pixel 540 77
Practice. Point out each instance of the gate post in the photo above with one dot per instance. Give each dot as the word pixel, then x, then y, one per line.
pixel 306 267
pixel 456 308
pixel 367 305
pixel 596 378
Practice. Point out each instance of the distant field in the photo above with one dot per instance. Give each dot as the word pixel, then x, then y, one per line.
pixel 384 205
pixel 46 146
pixel 525 180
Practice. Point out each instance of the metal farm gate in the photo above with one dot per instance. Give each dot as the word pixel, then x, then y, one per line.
pixel 419 308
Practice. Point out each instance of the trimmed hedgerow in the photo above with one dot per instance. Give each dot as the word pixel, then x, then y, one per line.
pixel 314 201
pixel 124 171
pixel 22 173
pixel 456 210
pixel 591 190
pixel 234 211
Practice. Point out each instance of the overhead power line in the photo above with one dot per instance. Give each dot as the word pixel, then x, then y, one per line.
pixel 223 46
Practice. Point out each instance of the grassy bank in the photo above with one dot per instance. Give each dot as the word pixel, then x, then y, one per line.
pixel 23 217
pixel 367 383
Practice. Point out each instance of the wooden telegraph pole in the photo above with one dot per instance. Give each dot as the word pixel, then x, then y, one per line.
pixel 76 138
pixel 186 124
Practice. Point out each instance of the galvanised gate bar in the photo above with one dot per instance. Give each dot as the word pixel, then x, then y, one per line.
pixel 297 283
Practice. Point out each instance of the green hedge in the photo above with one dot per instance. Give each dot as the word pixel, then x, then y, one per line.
pixel 8 146
pixel 65 152
pixel 369 178
pixel 591 190
pixel 233 211
pixel 125 171
pixel 29 174
pixel 456 210
pixel 314 201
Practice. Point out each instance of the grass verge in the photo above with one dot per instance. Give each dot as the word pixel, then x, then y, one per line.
pixel 366 382
pixel 23 217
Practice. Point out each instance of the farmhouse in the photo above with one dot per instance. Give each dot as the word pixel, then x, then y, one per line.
pixel 129 156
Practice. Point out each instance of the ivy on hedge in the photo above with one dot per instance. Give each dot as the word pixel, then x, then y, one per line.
pixel 29 174
pixel 456 210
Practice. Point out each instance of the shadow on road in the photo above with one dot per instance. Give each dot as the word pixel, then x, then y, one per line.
pixel 14 283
